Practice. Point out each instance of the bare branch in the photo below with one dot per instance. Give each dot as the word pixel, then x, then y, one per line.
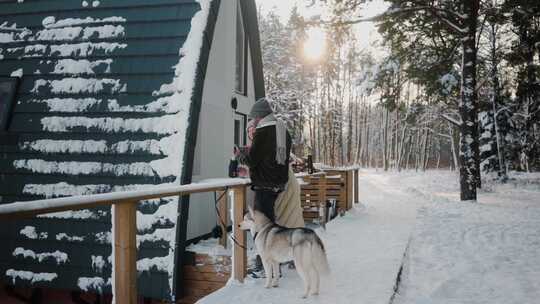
pixel 453 26
pixel 451 120
pixel 438 133
pixel 503 109
pixel 436 11
pixel 480 31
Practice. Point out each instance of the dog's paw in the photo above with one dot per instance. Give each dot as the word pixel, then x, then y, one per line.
pixel 267 285
pixel 275 284
pixel 315 293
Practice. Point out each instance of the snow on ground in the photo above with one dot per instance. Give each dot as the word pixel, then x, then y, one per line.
pixel 474 253
pixel 458 252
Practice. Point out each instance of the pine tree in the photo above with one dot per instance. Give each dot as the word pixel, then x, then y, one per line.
pixel 459 20
pixel 525 18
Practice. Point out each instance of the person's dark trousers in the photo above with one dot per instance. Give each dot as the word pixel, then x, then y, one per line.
pixel 264 202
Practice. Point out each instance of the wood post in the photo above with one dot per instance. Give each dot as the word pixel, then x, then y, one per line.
pixel 356 185
pixel 349 185
pixel 223 219
pixel 239 253
pixel 322 198
pixel 125 252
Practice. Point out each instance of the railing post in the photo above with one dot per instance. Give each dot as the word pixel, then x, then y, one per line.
pixel 223 217
pixel 356 199
pixel 322 188
pixel 350 191
pixel 322 198
pixel 125 252
pixel 239 253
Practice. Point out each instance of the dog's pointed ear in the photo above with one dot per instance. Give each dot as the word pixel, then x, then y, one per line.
pixel 250 211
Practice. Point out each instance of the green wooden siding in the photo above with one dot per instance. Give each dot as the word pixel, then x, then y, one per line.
pixel 142 59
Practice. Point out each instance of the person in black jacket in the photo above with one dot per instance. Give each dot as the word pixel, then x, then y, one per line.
pixel 267 158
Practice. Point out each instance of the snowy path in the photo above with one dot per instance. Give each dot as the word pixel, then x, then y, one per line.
pixel 365 250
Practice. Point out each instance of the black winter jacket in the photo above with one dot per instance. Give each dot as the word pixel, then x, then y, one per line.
pixel 265 172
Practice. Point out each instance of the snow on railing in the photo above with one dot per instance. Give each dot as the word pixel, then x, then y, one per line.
pixel 96 200
pixel 124 221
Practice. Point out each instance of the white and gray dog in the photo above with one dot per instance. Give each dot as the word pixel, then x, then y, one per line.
pixel 277 244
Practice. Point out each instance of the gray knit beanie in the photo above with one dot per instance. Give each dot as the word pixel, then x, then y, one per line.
pixel 260 109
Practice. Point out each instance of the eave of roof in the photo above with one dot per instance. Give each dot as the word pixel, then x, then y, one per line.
pixel 191 141
pixel 249 13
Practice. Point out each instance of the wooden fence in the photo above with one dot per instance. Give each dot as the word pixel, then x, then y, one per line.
pixel 125 224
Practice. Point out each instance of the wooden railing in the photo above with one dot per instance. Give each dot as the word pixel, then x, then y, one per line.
pixel 340 185
pixel 124 221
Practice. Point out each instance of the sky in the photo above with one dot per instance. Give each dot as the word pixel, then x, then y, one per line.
pixel 366 31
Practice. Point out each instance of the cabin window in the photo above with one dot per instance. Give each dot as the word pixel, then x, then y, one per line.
pixel 241 51
pixel 237 132
pixel 8 90
pixel 240 134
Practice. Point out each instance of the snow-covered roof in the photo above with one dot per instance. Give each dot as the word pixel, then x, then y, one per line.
pixel 107 89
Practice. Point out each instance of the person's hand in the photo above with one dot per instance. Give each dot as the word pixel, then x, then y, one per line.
pixel 251 132
pixel 236 150
pixel 243 171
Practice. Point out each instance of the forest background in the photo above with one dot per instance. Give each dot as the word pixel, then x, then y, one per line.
pixel 447 84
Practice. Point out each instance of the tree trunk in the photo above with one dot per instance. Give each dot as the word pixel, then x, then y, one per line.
pixel 409 150
pixel 438 156
pixel 453 146
pixel 468 107
pixel 423 159
pixel 427 150
pixel 350 135
pixel 417 150
pixel 395 140
pixel 385 140
pixel 368 154
pixel 495 99
pixel 360 129
pixel 358 132
pixel 401 151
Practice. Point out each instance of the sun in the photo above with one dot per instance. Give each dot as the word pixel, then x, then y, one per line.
pixel 315 44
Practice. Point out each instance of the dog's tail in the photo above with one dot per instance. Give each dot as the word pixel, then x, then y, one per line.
pixel 319 257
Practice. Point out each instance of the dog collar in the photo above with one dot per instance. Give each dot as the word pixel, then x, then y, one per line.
pixel 264 228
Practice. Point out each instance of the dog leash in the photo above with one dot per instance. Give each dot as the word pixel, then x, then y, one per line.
pixel 216 201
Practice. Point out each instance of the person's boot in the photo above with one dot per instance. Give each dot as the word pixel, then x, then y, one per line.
pixel 291 265
pixel 258 270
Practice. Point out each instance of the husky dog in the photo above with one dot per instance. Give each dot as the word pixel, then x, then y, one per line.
pixel 277 244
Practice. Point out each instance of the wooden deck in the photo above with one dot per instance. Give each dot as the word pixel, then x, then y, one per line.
pixel 204 275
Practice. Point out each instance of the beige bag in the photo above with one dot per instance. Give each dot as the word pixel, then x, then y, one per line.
pixel 288 207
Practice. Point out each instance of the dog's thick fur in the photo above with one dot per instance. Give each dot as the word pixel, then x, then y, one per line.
pixel 277 244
